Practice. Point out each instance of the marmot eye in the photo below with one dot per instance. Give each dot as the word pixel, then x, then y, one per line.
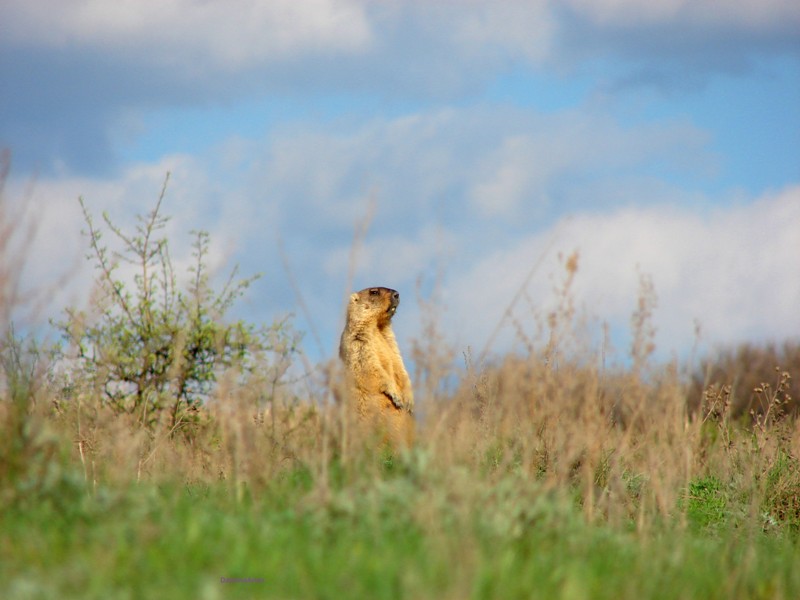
pixel 374 292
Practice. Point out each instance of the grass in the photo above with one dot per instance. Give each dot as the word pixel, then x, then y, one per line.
pixel 526 481
pixel 540 474
pixel 399 535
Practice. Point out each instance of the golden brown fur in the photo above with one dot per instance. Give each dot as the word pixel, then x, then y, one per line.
pixel 378 383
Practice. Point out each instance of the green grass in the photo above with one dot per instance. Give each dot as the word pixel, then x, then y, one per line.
pixel 162 450
pixel 412 531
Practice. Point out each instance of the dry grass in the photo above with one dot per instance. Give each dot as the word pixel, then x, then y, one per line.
pixel 630 448
pixel 624 444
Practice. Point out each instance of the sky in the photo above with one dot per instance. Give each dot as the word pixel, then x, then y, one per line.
pixel 476 143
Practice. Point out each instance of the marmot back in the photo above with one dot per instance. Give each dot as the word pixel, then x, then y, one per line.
pixel 378 383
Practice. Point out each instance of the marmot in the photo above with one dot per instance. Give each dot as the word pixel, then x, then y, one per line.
pixel 378 383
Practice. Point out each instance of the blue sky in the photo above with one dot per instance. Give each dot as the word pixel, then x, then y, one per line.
pixel 656 138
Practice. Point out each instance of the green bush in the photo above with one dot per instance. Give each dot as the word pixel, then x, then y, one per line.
pixel 149 348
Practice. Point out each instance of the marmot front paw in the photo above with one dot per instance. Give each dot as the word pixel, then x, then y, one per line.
pixel 398 403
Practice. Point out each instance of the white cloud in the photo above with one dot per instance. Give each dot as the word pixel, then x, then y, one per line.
pixel 398 256
pixel 443 45
pixel 56 254
pixel 734 270
pixel 82 71
pixel 311 185
pixel 195 35
pixel 729 261
pixel 454 165
pixel 512 29
pixel 440 207
pixel 743 13
pixel 510 178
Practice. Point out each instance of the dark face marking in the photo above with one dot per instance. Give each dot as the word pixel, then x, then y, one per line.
pixel 382 294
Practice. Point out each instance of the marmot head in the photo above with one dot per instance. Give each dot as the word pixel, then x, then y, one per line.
pixel 376 304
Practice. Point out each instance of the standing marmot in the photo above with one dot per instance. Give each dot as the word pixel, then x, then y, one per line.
pixel 378 383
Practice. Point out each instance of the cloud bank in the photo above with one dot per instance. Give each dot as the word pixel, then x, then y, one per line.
pixel 470 200
pixel 81 69
pixel 733 271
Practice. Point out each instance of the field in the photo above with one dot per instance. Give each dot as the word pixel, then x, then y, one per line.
pixel 163 451
pixel 526 482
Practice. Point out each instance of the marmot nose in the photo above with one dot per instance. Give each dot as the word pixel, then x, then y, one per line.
pixel 395 295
